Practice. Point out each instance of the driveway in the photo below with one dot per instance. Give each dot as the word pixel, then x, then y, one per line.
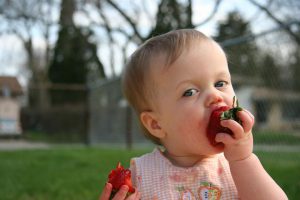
pixel 21 144
pixel 18 144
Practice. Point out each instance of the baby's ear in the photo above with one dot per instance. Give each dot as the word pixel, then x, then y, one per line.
pixel 150 121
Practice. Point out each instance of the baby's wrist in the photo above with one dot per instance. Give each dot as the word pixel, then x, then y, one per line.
pixel 242 159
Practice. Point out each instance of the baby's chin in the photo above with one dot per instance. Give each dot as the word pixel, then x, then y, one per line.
pixel 218 147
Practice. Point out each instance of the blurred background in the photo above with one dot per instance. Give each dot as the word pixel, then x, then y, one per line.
pixel 61 60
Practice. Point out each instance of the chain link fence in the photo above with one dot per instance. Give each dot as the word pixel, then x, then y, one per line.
pixel 111 120
pixel 263 81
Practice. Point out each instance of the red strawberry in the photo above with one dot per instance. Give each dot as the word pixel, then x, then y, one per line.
pixel 223 113
pixel 118 177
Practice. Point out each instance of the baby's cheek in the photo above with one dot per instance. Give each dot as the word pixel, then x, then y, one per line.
pixel 191 126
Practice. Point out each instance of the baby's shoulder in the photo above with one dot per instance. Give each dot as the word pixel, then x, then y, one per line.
pixel 148 157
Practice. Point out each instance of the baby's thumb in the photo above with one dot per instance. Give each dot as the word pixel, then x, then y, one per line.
pixel 224 138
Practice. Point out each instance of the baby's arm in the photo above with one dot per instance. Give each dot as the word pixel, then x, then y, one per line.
pixel 253 182
pixel 251 179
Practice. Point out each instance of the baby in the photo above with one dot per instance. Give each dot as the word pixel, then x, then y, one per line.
pixel 174 82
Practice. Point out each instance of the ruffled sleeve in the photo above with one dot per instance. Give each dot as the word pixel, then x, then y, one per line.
pixel 133 170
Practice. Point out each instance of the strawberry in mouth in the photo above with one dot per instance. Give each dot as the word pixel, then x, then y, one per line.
pixel 222 113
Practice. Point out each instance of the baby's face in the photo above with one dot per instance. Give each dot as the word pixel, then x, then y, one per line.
pixel 187 92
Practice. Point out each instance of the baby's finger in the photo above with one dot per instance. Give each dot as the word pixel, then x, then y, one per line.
pixel 247 120
pixel 121 194
pixel 138 196
pixel 250 114
pixel 235 127
pixel 225 138
pixel 106 192
pixel 134 196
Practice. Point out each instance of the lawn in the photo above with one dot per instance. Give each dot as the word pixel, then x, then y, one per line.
pixel 69 173
pixel 276 138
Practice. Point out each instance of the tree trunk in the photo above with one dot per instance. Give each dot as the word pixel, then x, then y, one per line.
pixel 66 13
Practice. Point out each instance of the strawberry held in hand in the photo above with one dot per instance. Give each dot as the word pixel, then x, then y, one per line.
pixel 222 113
pixel 118 177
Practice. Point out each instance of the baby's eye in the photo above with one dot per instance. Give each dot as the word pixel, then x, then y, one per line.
pixel 190 92
pixel 220 84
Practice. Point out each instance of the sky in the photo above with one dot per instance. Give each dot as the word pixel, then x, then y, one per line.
pixel 13 58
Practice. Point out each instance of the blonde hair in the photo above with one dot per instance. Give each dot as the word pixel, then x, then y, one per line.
pixel 136 74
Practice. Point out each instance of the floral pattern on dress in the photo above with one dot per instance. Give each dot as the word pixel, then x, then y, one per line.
pixel 206 191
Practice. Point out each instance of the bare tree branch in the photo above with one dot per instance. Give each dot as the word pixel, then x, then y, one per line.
pixel 259 11
pixel 149 16
pixel 286 27
pixel 105 25
pixel 128 19
pixel 212 14
pixel 111 40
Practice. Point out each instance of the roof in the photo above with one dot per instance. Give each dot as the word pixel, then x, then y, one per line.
pixel 12 83
pixel 273 94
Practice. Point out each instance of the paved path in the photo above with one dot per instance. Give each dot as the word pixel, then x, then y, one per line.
pixel 20 144
pixel 10 144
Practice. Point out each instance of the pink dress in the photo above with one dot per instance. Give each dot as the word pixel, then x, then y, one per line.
pixel 157 178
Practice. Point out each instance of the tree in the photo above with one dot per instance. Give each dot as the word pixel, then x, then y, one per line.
pixel 127 22
pixel 74 56
pixel 23 18
pixel 295 68
pixel 172 15
pixel 289 11
pixel 270 72
pixel 241 57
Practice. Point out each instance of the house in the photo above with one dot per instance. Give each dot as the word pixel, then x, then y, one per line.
pixel 274 109
pixel 277 109
pixel 10 91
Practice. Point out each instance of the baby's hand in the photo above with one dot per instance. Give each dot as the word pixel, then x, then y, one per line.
pixel 120 195
pixel 238 146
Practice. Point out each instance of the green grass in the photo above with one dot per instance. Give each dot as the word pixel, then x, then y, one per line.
pixel 276 138
pixel 284 167
pixel 39 136
pixel 74 173
pixel 80 173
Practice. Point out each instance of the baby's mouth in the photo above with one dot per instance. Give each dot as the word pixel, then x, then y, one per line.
pixel 214 125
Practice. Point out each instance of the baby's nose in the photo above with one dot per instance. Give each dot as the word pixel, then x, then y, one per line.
pixel 213 97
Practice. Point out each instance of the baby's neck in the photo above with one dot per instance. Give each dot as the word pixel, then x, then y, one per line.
pixel 184 160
